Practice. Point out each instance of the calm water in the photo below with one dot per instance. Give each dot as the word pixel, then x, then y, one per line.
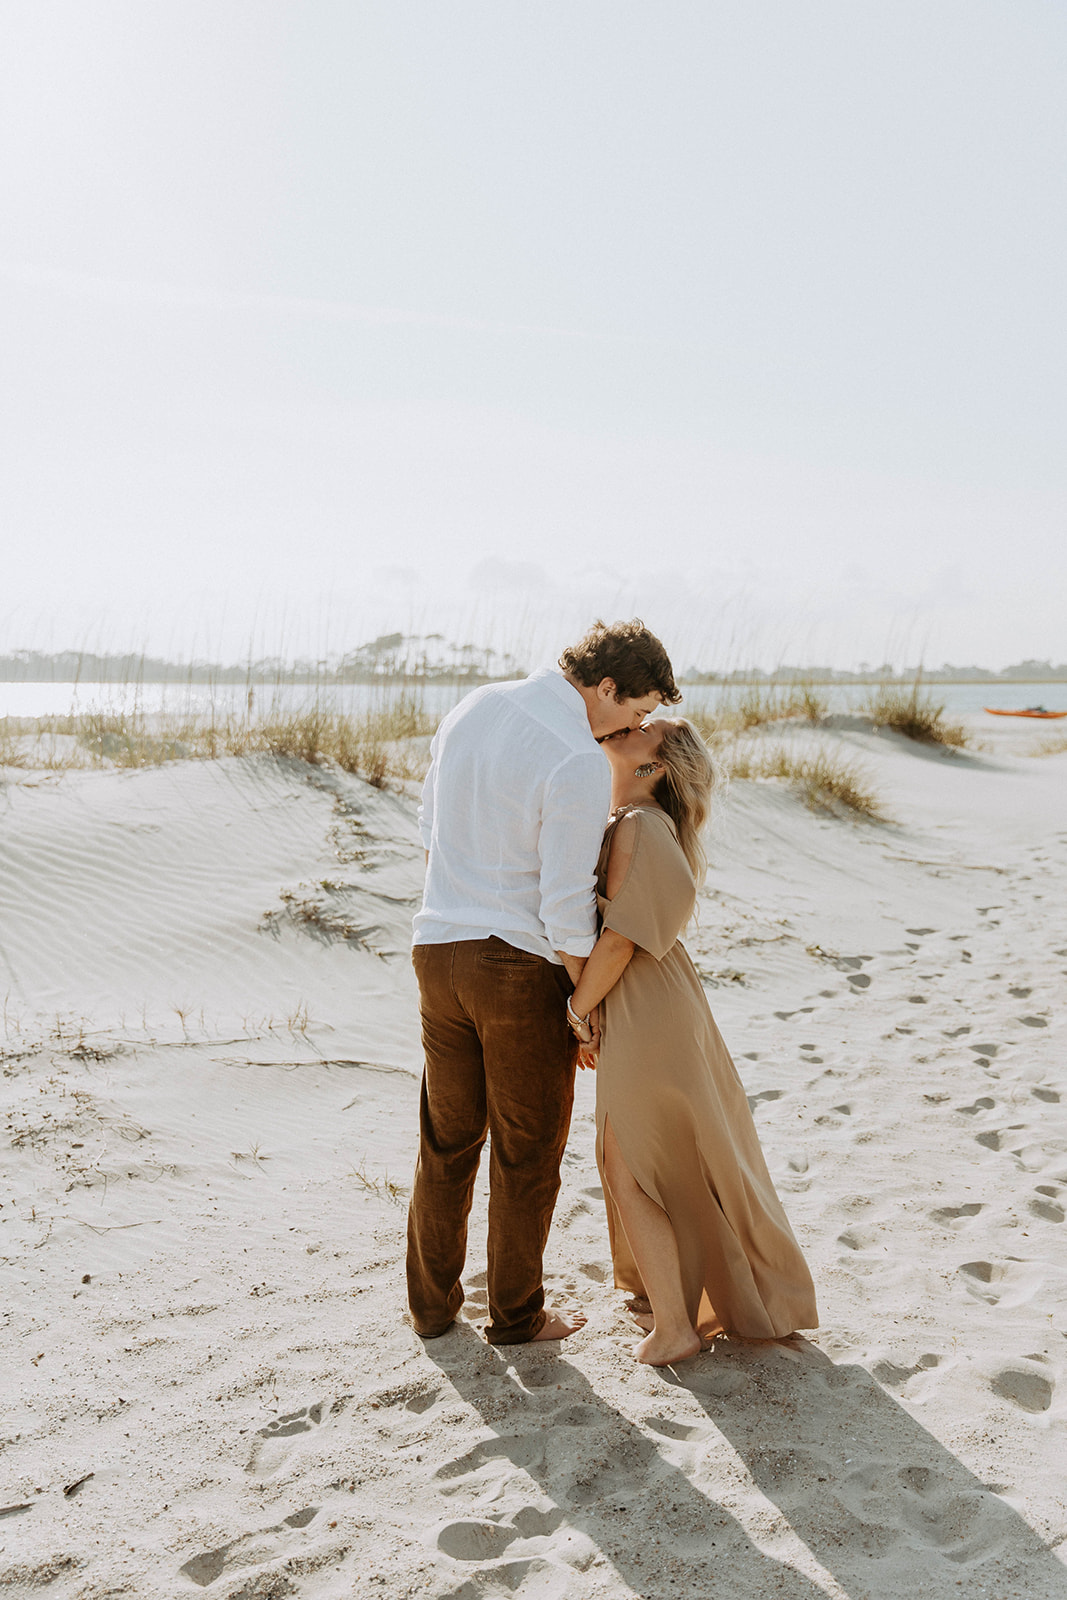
pixel 59 699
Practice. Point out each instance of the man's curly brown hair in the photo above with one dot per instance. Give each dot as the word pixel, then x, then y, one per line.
pixel 627 653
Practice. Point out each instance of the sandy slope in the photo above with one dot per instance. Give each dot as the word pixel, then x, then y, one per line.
pixel 207 1111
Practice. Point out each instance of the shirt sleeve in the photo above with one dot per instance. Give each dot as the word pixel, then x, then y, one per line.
pixel 655 899
pixel 573 817
pixel 426 804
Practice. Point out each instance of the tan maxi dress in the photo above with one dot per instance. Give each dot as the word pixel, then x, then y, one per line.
pixel 680 1114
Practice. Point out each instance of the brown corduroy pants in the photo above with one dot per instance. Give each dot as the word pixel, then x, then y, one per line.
pixel 500 1060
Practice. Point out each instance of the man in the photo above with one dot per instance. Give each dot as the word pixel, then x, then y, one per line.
pixel 513 813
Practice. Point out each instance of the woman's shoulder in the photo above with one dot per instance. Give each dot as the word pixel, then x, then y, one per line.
pixel 643 823
pixel 643 839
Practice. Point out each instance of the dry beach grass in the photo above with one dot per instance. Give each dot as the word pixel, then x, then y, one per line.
pixel 378 745
pixel 390 744
pixel 915 714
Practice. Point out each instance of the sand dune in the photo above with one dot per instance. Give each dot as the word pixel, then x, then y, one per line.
pixel 210 1080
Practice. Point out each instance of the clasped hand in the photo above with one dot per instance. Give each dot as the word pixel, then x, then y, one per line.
pixel 588 1037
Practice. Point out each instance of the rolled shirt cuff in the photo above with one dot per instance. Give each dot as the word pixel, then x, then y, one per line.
pixel 574 945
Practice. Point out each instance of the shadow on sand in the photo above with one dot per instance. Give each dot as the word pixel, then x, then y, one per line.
pixel 823 1455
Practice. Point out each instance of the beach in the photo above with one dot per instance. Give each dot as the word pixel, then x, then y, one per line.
pixel 210 1089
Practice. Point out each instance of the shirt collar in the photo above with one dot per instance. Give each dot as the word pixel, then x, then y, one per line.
pixel 565 692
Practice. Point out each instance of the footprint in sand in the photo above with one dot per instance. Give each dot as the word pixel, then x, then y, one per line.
pixel 956 1216
pixel 879 1506
pixel 1010 1282
pixel 475 1541
pixel 268 1455
pixel 667 1428
pixel 1034 1022
pixel 247 1551
pixel 523 1450
pixel 957 1033
pixel 980 1272
pixel 594 1271
pixel 294 1422
pixel 765 1094
pixel 422 1401
pixel 861 1239
pixel 894 1376
pixel 1050 1096
pixel 1028 1390
pixel 1047 1207
pixel 982 1104
pixel 963 1527
pixel 984 1049
pixel 483 1539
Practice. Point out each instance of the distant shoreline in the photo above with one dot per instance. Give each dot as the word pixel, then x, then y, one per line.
pixel 398 660
pixel 755 679
pixel 228 677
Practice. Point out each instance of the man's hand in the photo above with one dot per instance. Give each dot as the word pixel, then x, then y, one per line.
pixel 573 966
pixel 588 1053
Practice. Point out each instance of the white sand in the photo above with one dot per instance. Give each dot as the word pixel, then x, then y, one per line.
pixel 207 1118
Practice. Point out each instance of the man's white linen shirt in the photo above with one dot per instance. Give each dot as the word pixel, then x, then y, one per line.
pixel 513 814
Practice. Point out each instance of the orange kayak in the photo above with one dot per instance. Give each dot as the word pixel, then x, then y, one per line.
pixel 1031 711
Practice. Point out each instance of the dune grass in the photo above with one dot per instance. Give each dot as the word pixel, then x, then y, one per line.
pixel 381 746
pixel 759 704
pixel 390 745
pixel 1054 745
pixel 914 713
pixel 826 780
pixel 12 749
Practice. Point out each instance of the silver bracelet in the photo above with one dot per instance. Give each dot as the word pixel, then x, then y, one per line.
pixel 572 1016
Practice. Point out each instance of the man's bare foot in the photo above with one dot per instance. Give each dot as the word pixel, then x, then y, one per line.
pixel 645 1320
pixel 560 1325
pixel 659 1351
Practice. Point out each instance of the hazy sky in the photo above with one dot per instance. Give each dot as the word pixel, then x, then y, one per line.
pixel 326 318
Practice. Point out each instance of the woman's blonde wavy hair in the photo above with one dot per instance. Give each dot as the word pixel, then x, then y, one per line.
pixel 690 777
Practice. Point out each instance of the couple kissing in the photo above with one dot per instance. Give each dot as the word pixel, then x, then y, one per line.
pixel 562 824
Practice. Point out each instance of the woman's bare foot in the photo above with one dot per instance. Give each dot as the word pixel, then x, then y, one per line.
pixel 560 1325
pixel 659 1351
pixel 643 1320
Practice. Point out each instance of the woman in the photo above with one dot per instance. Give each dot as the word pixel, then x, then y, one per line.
pixel 698 1234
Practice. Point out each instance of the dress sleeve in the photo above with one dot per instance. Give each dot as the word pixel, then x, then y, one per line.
pixel 656 898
